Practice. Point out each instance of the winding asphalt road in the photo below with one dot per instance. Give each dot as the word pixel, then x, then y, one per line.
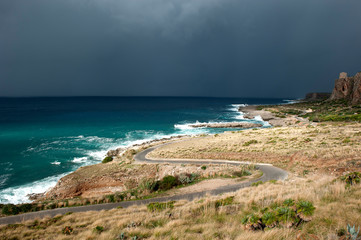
pixel 269 173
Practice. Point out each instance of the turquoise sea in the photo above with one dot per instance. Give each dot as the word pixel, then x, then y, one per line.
pixel 42 139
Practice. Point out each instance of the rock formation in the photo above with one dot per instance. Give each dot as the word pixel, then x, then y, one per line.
pixel 347 88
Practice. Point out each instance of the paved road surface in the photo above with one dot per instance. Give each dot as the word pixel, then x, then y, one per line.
pixel 269 173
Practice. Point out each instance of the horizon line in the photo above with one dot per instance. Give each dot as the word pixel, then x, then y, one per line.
pixel 98 96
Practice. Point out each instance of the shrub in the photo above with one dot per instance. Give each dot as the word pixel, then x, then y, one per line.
pixel 352 233
pixel 250 142
pixel 253 222
pixel 289 214
pixel 305 208
pixel 10 209
pixel 289 202
pixel 269 219
pixel 286 216
pixel 241 173
pixel 224 202
pixel 111 197
pixel 187 178
pixel 107 159
pixel 149 184
pixel 204 167
pixel 352 178
pixel 168 182
pixel 67 230
pixel 160 206
pixel 98 229
pixel 255 184
pixel 27 207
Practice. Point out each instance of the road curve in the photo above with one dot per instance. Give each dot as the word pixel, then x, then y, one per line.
pixel 269 173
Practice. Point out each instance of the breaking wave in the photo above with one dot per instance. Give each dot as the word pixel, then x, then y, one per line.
pixel 19 194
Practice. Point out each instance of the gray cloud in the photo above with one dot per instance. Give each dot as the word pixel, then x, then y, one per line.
pixel 235 48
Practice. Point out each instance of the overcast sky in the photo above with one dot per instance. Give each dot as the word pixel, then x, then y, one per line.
pixel 219 48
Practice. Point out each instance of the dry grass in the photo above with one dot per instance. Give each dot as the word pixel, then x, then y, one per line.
pixel 332 147
pixel 200 219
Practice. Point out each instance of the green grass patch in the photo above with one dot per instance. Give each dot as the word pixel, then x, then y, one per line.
pixel 160 206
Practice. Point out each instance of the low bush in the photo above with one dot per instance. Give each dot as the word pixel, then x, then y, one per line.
pixel 10 209
pixel 168 182
pixel 351 178
pixel 352 233
pixel 255 184
pixel 253 141
pixel 289 214
pixel 67 230
pixel 111 197
pixel 26 207
pixel 241 173
pixel 149 184
pixel 98 229
pixel 187 178
pixel 107 159
pixel 224 202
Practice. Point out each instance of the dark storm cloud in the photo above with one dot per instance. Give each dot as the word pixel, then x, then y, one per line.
pixel 245 48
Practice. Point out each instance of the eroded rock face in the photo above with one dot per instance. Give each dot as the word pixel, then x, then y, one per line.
pixel 348 88
pixel 356 95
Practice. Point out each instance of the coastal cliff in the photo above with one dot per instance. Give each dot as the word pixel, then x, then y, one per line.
pixel 347 88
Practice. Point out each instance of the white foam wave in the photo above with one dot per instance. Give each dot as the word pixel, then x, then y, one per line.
pixel 258 118
pixel 79 159
pixel 98 155
pixel 235 108
pixel 291 101
pixel 56 163
pixel 186 126
pixel 19 194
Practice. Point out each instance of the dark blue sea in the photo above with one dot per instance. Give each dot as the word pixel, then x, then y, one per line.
pixel 42 139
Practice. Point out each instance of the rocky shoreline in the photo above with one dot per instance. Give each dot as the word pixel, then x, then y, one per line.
pixel 227 125
pixel 250 112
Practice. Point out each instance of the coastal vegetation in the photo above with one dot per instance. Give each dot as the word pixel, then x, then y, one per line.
pixel 326 206
pixel 319 111
pixel 107 159
pixel 288 214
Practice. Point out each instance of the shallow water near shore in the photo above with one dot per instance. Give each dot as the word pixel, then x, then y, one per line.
pixel 42 139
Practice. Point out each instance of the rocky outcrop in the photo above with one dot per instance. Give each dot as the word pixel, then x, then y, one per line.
pixel 227 125
pixel 316 96
pixel 347 88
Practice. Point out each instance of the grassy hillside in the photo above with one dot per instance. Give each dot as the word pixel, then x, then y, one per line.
pixel 212 217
